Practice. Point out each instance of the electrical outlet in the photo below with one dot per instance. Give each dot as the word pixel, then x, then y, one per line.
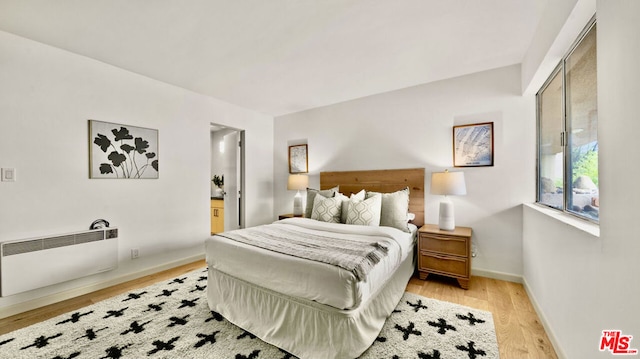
pixel 135 253
pixel 8 175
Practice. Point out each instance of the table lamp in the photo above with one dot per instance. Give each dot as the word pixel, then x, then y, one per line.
pixel 297 182
pixel 447 183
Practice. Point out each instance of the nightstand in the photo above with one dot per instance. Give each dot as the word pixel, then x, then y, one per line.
pixel 287 215
pixel 446 253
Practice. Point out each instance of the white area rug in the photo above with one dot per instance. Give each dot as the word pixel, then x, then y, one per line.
pixel 171 319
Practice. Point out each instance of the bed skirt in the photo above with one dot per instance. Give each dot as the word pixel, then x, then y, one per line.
pixel 302 327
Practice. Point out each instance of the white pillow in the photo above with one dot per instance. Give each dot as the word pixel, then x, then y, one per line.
pixel 365 213
pixel 360 196
pixel 311 195
pixel 346 201
pixel 326 209
pixel 395 207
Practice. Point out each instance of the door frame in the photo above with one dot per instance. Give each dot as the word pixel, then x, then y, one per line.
pixel 215 127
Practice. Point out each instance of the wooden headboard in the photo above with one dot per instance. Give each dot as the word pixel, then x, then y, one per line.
pixel 384 181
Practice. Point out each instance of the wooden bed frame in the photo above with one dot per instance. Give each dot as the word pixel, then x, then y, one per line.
pixel 384 181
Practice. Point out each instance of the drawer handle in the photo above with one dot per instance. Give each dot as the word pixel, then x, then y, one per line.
pixel 439 257
pixel 445 238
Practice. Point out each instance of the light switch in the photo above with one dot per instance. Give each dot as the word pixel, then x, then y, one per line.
pixel 8 175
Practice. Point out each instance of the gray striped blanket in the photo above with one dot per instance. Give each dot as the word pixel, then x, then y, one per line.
pixel 357 254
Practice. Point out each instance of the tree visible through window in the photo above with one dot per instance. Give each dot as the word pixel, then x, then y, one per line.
pixel 568 132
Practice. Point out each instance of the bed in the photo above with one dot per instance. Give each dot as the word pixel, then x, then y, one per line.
pixel 312 303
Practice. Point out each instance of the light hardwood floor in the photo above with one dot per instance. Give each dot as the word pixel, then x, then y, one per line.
pixel 519 332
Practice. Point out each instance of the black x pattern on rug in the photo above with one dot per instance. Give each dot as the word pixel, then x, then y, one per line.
pixel 171 319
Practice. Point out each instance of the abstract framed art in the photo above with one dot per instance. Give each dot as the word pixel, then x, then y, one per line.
pixel 473 145
pixel 122 151
pixel 298 162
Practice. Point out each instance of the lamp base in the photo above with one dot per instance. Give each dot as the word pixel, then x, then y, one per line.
pixel 297 205
pixel 446 221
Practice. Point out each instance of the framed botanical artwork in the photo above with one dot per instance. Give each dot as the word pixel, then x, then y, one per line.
pixel 298 162
pixel 122 151
pixel 473 145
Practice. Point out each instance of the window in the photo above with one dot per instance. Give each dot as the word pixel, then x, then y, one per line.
pixel 568 132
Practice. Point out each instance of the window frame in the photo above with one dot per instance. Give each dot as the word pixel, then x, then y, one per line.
pixel 566 153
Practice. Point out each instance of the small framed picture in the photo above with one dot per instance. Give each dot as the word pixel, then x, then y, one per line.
pixel 473 145
pixel 122 151
pixel 298 162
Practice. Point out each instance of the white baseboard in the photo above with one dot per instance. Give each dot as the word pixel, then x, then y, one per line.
pixel 497 275
pixel 68 294
pixel 543 320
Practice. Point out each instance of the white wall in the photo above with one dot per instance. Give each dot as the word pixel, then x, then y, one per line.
pixel 583 284
pixel 46 97
pixel 413 128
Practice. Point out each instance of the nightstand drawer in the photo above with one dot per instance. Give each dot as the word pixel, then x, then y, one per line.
pixel 435 263
pixel 444 244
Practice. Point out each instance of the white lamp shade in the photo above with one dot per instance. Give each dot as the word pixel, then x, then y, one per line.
pixel 297 182
pixel 448 183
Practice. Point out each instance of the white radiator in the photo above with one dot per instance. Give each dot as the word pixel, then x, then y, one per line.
pixel 38 262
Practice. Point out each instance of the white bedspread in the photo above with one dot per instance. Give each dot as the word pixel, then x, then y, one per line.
pixel 301 278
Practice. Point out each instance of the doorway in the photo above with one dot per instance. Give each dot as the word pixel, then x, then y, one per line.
pixel 227 165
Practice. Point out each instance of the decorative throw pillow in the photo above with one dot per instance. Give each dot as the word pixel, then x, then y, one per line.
pixel 311 195
pixel 395 207
pixel 326 209
pixel 366 213
pixel 346 202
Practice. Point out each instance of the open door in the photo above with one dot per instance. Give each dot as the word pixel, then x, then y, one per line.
pixel 227 159
pixel 231 170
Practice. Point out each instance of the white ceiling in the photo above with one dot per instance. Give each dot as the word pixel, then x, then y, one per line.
pixel 284 56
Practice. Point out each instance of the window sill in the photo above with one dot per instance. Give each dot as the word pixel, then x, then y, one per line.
pixel 585 226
